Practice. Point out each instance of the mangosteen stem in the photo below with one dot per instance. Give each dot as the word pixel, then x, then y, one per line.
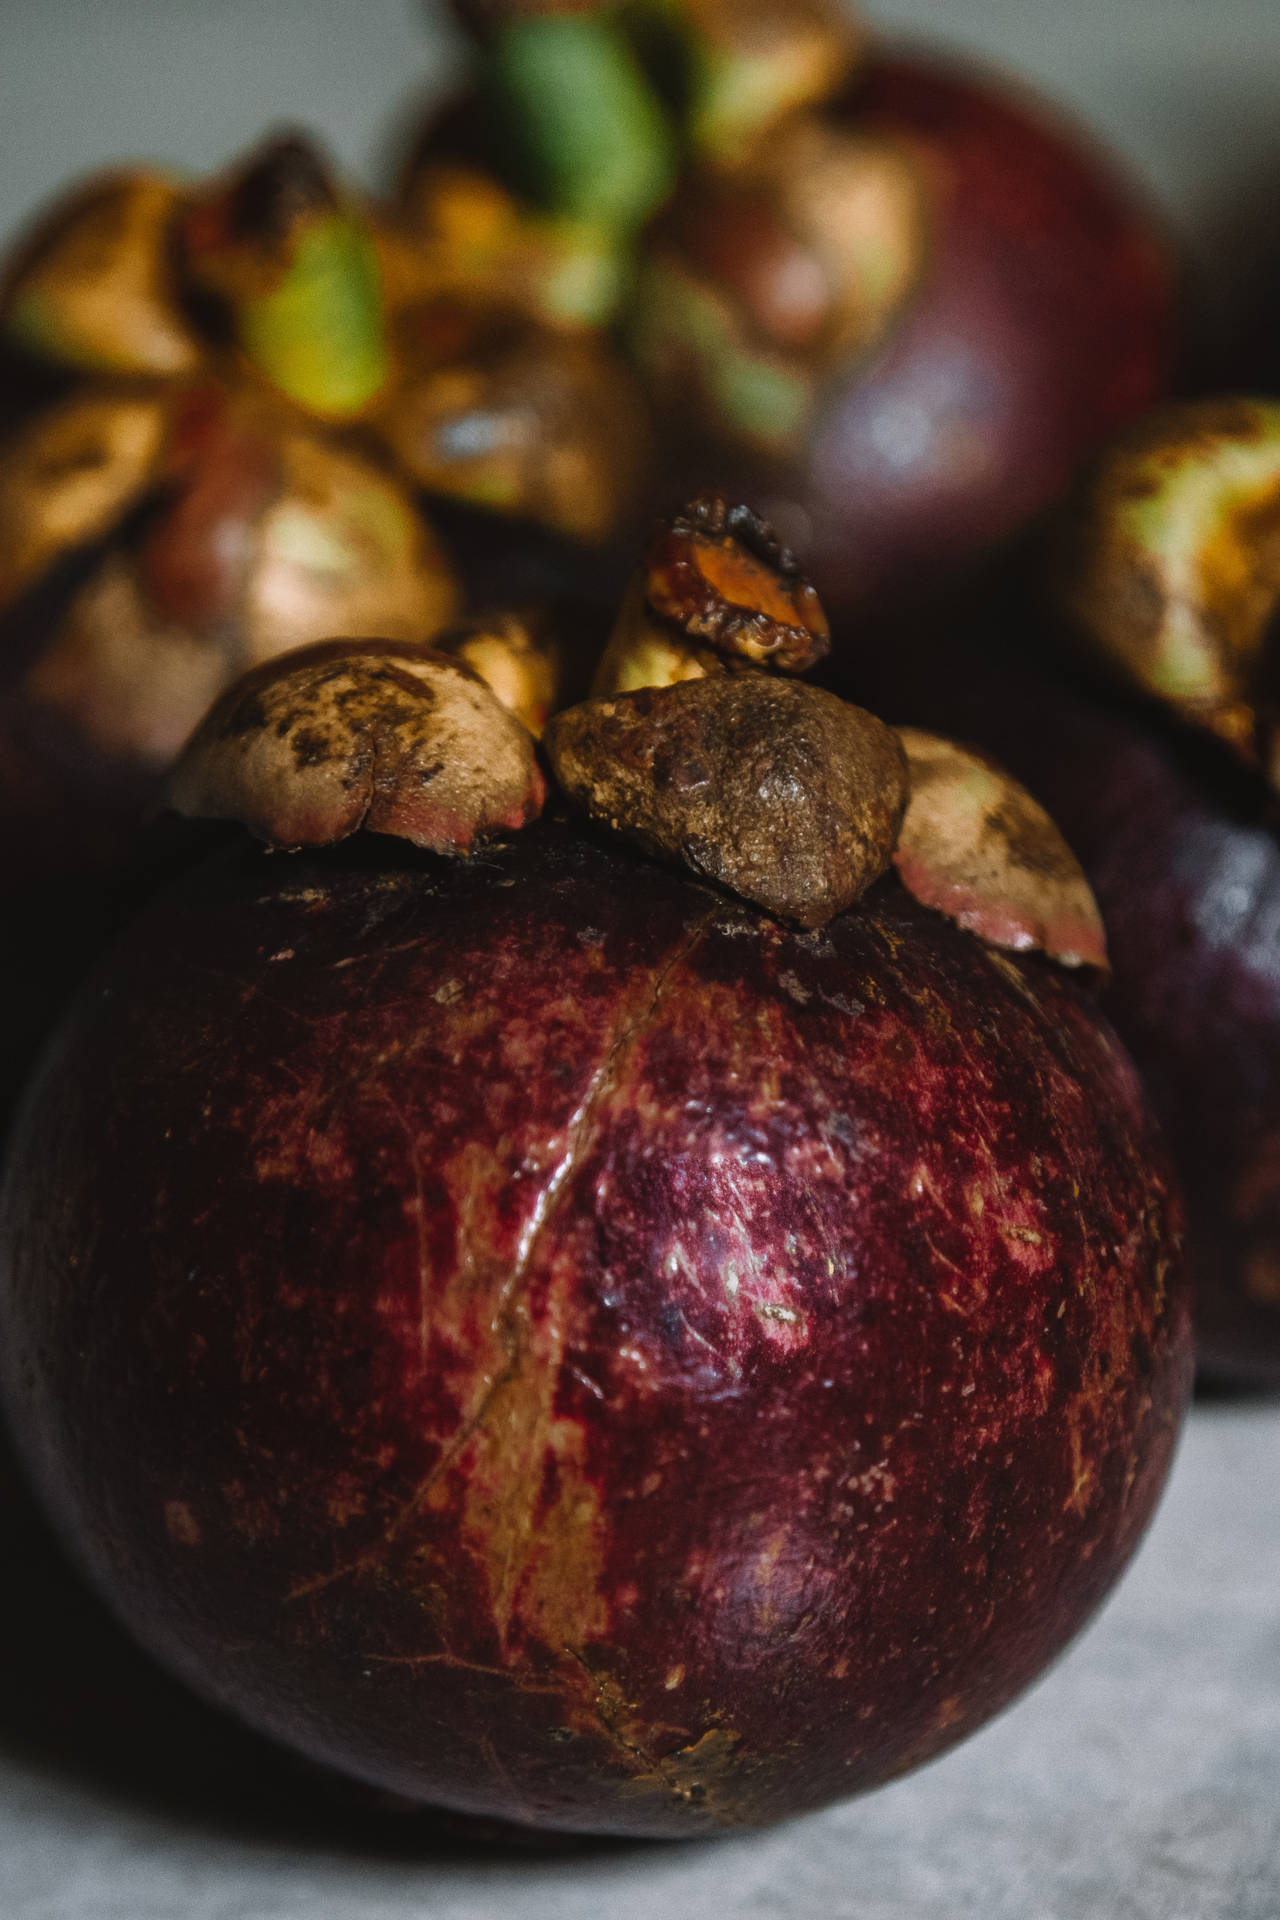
pixel 715 585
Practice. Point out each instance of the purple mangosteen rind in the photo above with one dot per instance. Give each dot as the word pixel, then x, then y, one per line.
pixel 532 1333
pixel 1180 840
pixel 1182 850
pixel 554 1341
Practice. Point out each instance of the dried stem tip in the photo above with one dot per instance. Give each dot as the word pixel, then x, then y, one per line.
pixel 976 846
pixel 721 576
pixel 715 583
pixel 361 733
pixel 779 791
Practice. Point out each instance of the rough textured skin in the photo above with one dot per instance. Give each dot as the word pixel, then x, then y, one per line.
pixel 557 1344
pixel 1042 320
pixel 1182 851
pixel 781 792
pixel 361 733
pixel 974 844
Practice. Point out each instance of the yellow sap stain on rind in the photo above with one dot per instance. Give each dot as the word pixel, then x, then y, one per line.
pixel 542 1557
pixel 701 1775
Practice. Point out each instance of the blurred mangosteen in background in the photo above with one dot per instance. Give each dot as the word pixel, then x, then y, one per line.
pixel 422 346
pixel 237 395
pixel 898 300
pixel 1137 697
pixel 643 1301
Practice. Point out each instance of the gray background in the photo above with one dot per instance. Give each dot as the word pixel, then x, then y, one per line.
pixel 1141 1780
pixel 1187 90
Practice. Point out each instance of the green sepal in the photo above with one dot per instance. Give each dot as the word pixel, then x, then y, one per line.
pixel 320 335
pixel 588 135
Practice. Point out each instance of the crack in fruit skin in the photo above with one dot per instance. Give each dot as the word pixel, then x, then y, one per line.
pixel 605 1359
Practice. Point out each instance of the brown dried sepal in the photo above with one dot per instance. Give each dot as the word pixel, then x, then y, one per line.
pixel 758 62
pixel 73 473
pixel 779 791
pixel 311 747
pixel 716 584
pixel 760 283
pixel 93 286
pixel 975 845
pixel 265 536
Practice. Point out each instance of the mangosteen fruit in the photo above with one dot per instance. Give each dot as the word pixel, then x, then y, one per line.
pixel 1168 575
pixel 249 405
pixel 641 1305
pixel 437 346
pixel 1131 683
pixel 897 301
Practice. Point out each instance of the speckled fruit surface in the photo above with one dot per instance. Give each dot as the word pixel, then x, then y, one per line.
pixel 552 1342
pixel 1182 849
pixel 1183 852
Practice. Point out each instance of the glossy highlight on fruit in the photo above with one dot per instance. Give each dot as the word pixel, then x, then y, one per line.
pixel 554 1343
pixel 572 1340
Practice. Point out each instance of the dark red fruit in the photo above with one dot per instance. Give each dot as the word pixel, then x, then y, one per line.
pixel 1185 861
pixel 1041 318
pixel 1181 845
pixel 554 1343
